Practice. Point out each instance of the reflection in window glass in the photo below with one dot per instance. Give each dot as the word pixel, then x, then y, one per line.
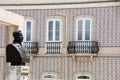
pixel 80 23
pixel 57 31
pixel 51 25
pixel 87 30
pixel 83 77
pixel 57 36
pixel 57 25
pixel 28 31
pixel 50 31
pixel 50 34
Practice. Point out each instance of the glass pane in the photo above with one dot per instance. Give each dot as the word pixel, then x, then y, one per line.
pixel 57 24
pixel 87 35
pixel 50 31
pixel 79 35
pixel 50 25
pixel 28 31
pixel 28 36
pixel 87 30
pixel 57 35
pixel 87 24
pixel 28 26
pixel 83 77
pixel 50 35
pixel 80 24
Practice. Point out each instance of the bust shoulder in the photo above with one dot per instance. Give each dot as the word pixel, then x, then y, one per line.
pixel 16 45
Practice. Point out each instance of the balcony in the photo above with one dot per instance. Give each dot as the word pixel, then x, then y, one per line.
pixel 83 47
pixel 31 47
pixel 53 48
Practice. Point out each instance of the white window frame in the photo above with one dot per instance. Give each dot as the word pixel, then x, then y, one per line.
pixel 53 30
pixel 83 27
pixel 26 29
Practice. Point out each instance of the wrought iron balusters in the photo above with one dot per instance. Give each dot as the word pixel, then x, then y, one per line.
pixel 53 47
pixel 31 47
pixel 89 47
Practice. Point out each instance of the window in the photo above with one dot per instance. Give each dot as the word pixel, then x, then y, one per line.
pixel 83 29
pixel 28 30
pixel 54 30
pixel 49 77
pixel 83 78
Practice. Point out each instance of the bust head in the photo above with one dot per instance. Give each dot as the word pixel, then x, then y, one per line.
pixel 18 37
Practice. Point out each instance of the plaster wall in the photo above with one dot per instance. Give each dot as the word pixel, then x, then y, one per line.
pixel 44 1
pixel 11 19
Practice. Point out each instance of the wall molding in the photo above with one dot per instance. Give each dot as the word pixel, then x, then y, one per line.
pixel 86 5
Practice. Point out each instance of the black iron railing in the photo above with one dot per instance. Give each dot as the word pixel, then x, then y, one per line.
pixel 31 47
pixel 90 47
pixel 53 47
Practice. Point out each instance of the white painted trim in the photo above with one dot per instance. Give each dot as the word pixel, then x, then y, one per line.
pixel 87 5
pixel 45 1
pixel 11 19
pixel 83 27
pixel 54 29
pixel 26 29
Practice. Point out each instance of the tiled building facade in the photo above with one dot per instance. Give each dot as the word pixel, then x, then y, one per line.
pixel 105 30
pixel 2 65
pixel 3 36
pixel 106 23
pixel 103 68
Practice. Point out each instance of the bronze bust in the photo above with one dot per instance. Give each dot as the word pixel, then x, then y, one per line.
pixel 15 53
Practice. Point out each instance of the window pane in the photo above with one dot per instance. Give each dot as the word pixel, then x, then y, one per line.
pixel 87 30
pixel 80 35
pixel 80 24
pixel 83 77
pixel 28 26
pixel 28 36
pixel 57 35
pixel 87 35
pixel 50 31
pixel 87 24
pixel 57 30
pixel 50 35
pixel 57 24
pixel 28 31
pixel 50 25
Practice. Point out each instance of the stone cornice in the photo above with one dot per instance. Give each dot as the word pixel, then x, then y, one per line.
pixel 55 6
